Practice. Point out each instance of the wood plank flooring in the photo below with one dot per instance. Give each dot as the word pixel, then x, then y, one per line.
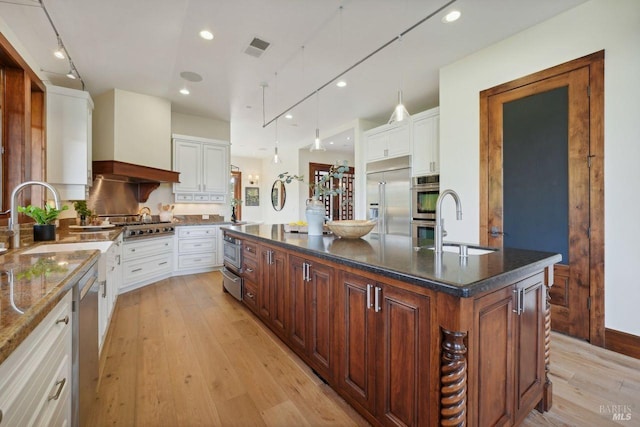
pixel 183 353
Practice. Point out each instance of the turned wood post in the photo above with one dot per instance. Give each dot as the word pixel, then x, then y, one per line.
pixel 453 379
pixel 547 400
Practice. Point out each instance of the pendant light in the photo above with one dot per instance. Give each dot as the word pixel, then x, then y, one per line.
pixel 400 113
pixel 276 158
pixel 317 144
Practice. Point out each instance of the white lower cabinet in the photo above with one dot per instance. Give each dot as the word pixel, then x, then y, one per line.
pixel 146 261
pixel 35 380
pixel 109 288
pixel 198 248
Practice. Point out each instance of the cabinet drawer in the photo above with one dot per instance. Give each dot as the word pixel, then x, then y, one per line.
pixel 249 250
pixel 217 198
pixel 197 260
pixel 250 269
pixel 26 376
pixel 200 197
pixel 56 396
pixel 199 231
pixel 147 247
pixel 250 295
pixel 184 197
pixel 196 246
pixel 143 268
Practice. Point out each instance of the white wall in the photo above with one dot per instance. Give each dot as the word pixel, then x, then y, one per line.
pixel 186 124
pixel 599 24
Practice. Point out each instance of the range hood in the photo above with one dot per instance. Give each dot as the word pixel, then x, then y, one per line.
pixel 147 178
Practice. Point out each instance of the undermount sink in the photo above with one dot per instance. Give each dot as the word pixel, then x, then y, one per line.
pixel 471 250
pixel 69 247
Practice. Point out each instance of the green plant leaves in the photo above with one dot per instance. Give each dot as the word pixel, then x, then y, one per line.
pixel 42 216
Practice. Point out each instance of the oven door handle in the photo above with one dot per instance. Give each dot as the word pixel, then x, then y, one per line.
pixel 226 273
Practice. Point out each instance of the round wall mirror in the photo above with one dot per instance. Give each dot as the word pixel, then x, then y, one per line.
pixel 278 195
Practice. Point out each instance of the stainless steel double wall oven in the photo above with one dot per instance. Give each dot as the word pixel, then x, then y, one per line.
pixel 424 195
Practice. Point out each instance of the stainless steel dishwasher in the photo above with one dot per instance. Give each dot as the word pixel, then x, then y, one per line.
pixel 85 345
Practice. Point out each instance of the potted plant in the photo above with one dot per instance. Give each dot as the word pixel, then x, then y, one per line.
pixel 315 208
pixel 82 210
pixel 44 228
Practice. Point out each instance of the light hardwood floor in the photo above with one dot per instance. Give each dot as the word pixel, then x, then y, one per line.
pixel 183 353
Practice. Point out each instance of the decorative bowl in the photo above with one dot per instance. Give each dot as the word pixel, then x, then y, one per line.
pixel 351 228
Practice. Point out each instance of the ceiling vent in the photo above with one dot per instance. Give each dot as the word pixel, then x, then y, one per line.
pixel 257 47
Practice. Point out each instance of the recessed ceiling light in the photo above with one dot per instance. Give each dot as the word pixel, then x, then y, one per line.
pixel 341 83
pixel 451 16
pixel 184 91
pixel 288 116
pixel 330 142
pixel 206 34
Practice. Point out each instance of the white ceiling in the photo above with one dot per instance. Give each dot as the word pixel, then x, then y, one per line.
pixel 144 45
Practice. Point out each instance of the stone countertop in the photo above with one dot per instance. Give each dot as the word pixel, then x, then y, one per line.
pixel 396 257
pixel 30 286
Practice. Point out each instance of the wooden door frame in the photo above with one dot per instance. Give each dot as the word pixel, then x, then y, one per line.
pixel 595 62
pixel 237 192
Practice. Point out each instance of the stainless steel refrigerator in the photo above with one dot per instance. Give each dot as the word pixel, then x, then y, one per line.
pixel 389 195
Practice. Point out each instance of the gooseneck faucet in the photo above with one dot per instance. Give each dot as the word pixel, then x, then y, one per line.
pixel 13 218
pixel 439 221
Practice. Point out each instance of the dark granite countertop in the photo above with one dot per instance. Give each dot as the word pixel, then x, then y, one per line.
pixel 396 257
pixel 31 286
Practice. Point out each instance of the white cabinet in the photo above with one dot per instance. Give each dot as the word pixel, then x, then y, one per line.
pixel 109 287
pixel 35 380
pixel 198 248
pixel 388 141
pixel 426 142
pixel 204 169
pixel 69 117
pixel 145 261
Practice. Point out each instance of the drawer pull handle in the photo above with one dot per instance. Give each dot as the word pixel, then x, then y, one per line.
pixel 250 295
pixel 197 260
pixel 248 270
pixel 136 270
pixel 162 263
pixel 64 320
pixel 198 245
pixel 133 249
pixel 60 385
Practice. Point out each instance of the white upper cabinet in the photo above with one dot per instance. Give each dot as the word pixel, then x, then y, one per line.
pixel 69 117
pixel 204 169
pixel 388 141
pixel 426 143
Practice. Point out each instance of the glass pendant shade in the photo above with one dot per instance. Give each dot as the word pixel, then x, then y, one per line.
pixel 276 158
pixel 400 113
pixel 317 143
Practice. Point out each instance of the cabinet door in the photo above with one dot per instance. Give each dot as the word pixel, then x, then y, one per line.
pixel 530 344
pixel 215 174
pixel 320 316
pixel 278 287
pixel 399 141
pixel 403 357
pixel 426 147
pixel 297 303
pixel 187 160
pixel 377 145
pixel 494 351
pixel 264 284
pixel 357 334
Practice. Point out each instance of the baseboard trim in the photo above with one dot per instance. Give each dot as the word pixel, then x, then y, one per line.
pixel 622 342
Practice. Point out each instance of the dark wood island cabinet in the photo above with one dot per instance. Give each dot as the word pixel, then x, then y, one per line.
pixel 406 336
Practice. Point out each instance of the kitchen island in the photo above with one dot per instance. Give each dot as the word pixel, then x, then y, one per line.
pixel 407 336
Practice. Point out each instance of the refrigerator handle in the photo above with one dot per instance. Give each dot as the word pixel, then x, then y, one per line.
pixel 382 225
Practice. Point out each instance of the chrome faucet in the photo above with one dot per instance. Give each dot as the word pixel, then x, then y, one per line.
pixel 439 221
pixel 14 227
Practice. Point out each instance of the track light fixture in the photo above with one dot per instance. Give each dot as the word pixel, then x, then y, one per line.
pixel 59 52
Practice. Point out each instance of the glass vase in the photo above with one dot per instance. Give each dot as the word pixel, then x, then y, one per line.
pixel 315 217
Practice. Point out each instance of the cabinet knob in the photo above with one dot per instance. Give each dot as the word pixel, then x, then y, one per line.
pixel 60 384
pixel 64 320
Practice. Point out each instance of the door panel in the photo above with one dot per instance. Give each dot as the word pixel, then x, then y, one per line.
pixel 320 321
pixel 573 318
pixel 297 302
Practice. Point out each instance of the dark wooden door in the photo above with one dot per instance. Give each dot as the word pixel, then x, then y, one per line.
pixel 357 340
pixel 559 222
pixel 320 317
pixel 297 303
pixel 403 357
pixel 279 284
pixel 493 338
pixel 530 375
